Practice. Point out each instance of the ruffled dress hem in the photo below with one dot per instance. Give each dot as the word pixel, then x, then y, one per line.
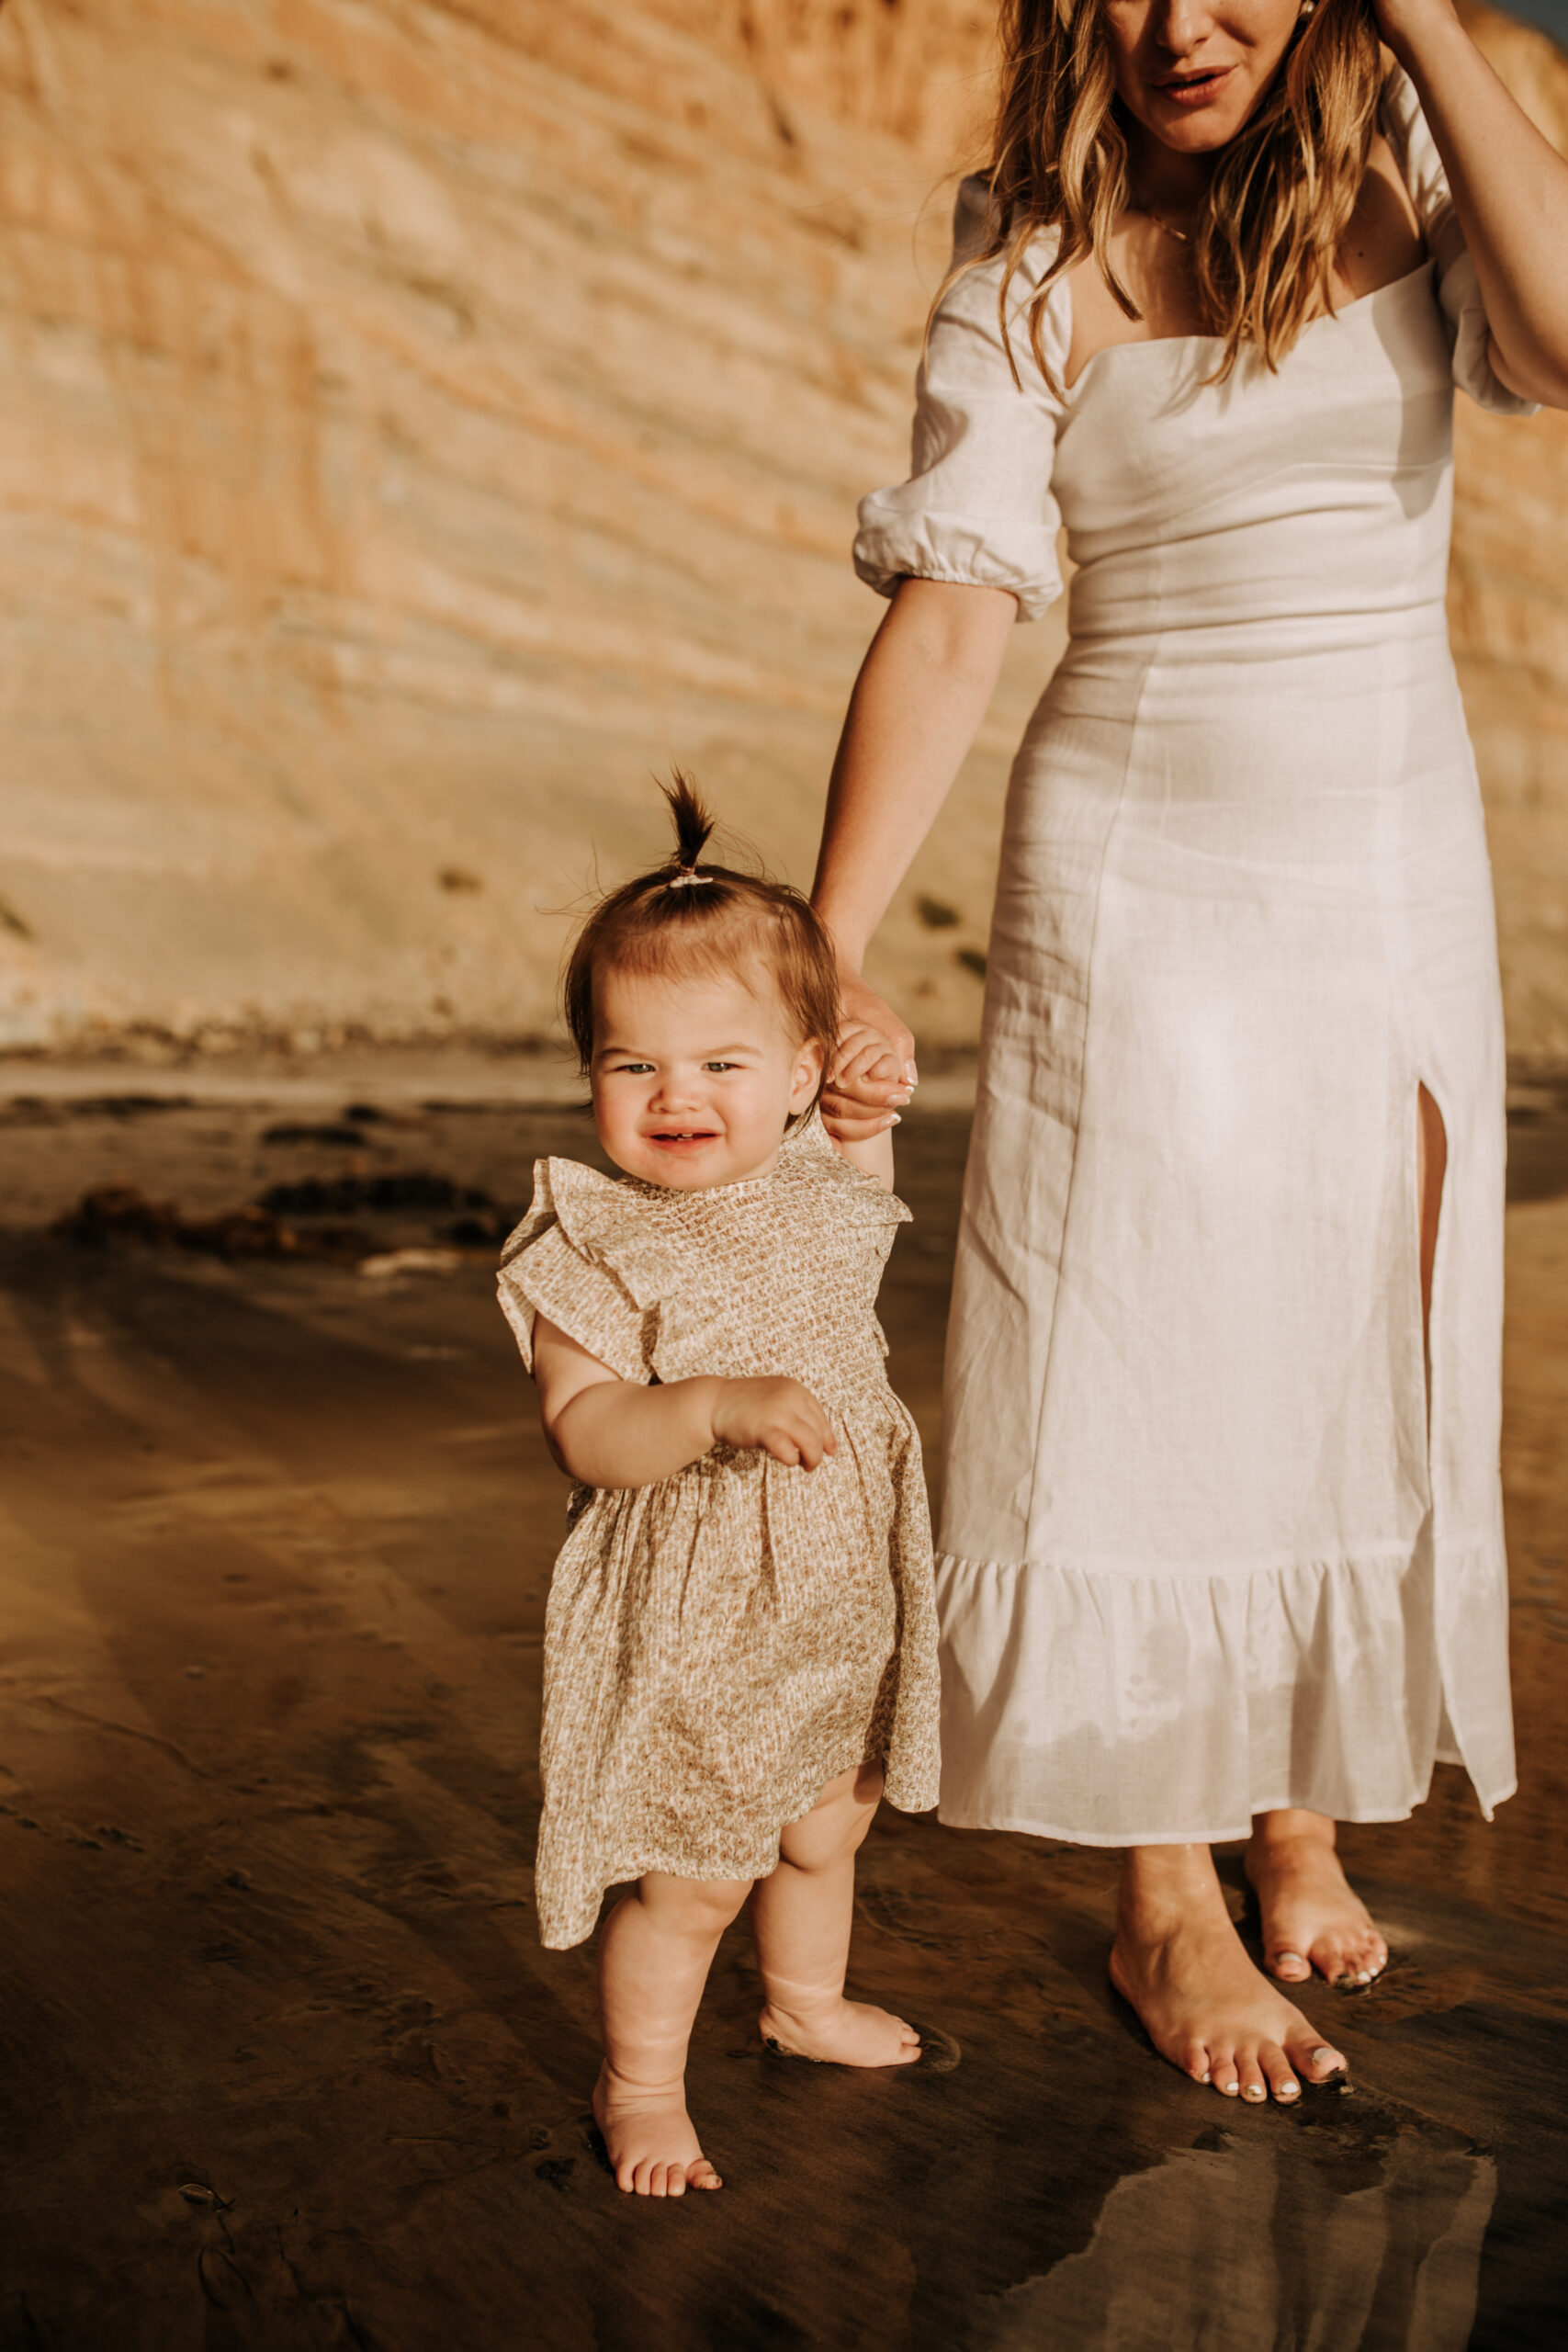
pixel 1233 1835
pixel 1182 1705
pixel 760 1862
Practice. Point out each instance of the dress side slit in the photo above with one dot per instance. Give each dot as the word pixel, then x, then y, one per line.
pixel 1431 1168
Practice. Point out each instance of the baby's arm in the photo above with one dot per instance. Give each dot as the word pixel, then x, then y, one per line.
pixel 874 1155
pixel 609 1433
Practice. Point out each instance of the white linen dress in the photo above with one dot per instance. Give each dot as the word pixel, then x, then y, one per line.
pixel 1203 1554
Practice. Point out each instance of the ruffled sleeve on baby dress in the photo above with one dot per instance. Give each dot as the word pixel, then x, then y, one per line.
pixel 580 1260
pixel 1458 286
pixel 977 507
pixel 856 1208
pixel 810 1161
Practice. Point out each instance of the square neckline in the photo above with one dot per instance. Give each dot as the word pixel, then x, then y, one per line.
pixel 1175 342
pixel 1397 133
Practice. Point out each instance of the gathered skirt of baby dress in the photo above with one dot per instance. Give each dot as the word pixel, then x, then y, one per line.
pixel 1213 1543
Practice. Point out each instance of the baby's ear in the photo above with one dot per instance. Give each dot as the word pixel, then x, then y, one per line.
pixel 810 1062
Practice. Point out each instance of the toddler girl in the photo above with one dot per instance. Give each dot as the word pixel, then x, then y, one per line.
pixel 741 1645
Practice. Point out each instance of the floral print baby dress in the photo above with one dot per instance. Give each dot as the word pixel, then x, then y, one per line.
pixel 720 1644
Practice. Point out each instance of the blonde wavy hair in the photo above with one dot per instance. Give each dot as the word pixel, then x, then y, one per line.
pixel 1279 204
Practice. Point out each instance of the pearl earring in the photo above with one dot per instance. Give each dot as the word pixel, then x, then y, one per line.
pixel 1304 11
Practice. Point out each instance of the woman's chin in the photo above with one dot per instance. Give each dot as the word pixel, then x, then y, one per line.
pixel 1201 133
pixel 1197 126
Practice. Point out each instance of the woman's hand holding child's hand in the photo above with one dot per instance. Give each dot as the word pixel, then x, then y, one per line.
pixel 872 1073
pixel 776 1417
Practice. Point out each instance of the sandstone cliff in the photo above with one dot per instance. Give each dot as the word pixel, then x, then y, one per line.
pixel 1508 615
pixel 423 417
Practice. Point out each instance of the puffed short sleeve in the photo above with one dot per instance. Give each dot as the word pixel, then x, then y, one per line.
pixel 571 1260
pixel 1458 286
pixel 977 507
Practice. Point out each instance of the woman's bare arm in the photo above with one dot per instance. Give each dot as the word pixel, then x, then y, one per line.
pixel 918 703
pixel 1510 189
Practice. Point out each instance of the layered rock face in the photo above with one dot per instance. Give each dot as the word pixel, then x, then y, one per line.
pixel 1508 617
pixel 420 421
pixel 423 417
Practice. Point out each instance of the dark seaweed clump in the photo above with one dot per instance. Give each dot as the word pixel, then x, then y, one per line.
pixel 315 1217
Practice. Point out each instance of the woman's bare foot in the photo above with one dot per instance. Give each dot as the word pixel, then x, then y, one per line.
pixel 840 2033
pixel 654 2149
pixel 1178 1961
pixel 1311 1918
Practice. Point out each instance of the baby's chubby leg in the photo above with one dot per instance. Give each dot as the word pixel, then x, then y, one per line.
pixel 801 1918
pixel 654 1952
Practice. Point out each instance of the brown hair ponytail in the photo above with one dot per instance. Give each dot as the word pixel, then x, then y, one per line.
pixel 688 916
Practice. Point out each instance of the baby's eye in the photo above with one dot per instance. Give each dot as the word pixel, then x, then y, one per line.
pixel 719 1065
pixel 631 1069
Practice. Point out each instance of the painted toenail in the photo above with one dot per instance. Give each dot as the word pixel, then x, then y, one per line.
pixel 1231 2090
pixel 1254 2090
pixel 1289 2090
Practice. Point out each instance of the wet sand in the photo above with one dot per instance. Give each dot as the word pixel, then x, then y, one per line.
pixel 284 2064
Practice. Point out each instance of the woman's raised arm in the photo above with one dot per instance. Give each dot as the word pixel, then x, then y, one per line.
pixel 916 706
pixel 1509 187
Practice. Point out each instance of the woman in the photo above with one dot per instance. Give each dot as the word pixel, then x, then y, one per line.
pixel 1222 1549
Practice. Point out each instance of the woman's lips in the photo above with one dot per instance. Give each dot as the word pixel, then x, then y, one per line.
pixel 1195 89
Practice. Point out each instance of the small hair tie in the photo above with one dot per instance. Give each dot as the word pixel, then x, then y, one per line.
pixel 685 878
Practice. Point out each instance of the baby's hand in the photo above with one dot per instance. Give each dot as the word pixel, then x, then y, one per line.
pixel 776 1417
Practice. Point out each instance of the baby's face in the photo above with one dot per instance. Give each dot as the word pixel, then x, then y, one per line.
pixel 694 1080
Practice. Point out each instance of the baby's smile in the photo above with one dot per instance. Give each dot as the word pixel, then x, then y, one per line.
pixel 683 1144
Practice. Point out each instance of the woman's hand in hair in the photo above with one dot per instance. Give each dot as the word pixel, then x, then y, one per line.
pixel 1510 189
pixel 1401 22
pixel 872 1071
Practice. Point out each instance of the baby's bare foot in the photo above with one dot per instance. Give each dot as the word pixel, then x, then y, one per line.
pixel 1311 1918
pixel 841 2033
pixel 654 2149
pixel 1205 2007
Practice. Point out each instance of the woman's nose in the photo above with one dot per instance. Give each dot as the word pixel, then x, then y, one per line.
pixel 1179 26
